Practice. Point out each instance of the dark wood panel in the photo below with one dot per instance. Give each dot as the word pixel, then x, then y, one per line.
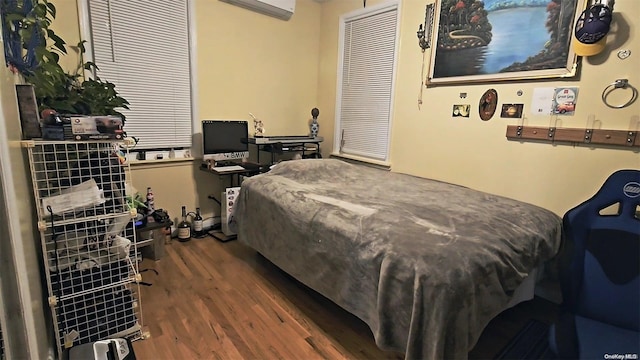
pixel 589 137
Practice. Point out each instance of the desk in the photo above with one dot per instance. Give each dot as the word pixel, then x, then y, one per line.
pixel 282 144
pixel 235 174
pixel 235 182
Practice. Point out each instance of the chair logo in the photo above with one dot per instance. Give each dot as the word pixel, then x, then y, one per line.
pixel 631 189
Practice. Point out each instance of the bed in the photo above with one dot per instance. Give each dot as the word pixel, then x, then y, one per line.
pixel 425 264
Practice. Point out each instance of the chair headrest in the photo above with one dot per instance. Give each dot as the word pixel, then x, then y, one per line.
pixel 622 188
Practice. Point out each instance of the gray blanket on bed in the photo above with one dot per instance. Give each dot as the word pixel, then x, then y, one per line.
pixel 425 264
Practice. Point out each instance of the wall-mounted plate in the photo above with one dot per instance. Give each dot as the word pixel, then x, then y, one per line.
pixel 488 104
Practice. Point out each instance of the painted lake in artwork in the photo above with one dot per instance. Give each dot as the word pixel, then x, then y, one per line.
pixel 518 33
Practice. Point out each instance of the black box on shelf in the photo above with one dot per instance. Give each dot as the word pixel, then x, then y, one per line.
pixel 57 132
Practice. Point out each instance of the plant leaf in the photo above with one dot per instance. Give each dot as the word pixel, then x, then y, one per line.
pixel 57 41
pixel 52 9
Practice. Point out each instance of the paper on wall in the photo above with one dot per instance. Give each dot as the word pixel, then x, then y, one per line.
pixel 542 101
pixel 565 100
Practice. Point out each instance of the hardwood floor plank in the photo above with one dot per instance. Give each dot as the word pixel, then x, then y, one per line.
pixel 213 300
pixel 180 264
pixel 230 340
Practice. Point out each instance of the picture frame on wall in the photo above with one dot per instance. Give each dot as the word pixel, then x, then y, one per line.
pixel 495 40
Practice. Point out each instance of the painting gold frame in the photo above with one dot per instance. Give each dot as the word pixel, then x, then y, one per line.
pixel 526 42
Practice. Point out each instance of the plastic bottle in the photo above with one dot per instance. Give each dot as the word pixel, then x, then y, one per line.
pixel 184 227
pixel 151 206
pixel 198 230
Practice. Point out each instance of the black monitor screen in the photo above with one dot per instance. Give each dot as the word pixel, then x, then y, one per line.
pixel 224 136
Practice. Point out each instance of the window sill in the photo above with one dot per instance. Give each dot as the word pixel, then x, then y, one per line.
pixel 362 161
pixel 160 162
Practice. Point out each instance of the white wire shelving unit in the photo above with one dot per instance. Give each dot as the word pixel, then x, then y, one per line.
pixel 90 254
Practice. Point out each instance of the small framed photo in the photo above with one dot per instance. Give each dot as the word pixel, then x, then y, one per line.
pixel 461 110
pixel 28 108
pixel 513 111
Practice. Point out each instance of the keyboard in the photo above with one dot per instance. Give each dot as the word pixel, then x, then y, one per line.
pixel 285 139
pixel 228 168
pixel 251 166
pixel 289 137
pixel 227 163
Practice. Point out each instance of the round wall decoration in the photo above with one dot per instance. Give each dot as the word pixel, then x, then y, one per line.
pixel 488 104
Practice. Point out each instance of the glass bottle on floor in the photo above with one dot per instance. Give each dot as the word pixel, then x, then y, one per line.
pixel 184 227
pixel 198 230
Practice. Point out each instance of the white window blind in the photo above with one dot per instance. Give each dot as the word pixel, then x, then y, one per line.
pixel 366 83
pixel 143 48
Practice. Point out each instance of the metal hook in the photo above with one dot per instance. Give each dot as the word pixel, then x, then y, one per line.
pixel 621 83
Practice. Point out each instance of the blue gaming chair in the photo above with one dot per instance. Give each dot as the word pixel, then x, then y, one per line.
pixel 599 274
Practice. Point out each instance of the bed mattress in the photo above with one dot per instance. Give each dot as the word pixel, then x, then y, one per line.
pixel 426 264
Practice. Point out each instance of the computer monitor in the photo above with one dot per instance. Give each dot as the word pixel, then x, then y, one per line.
pixel 225 139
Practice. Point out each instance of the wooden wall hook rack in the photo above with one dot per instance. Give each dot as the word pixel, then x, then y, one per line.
pixel 623 138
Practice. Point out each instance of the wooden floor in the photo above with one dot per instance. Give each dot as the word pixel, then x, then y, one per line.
pixel 213 300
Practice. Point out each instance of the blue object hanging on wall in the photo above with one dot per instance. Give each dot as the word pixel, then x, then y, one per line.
pixel 23 60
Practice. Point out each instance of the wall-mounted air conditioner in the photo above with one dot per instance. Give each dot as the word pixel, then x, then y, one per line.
pixel 282 9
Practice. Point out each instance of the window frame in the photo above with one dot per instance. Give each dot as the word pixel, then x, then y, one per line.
pixel 393 5
pixel 85 34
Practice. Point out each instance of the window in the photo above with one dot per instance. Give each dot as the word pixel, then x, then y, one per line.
pixel 143 48
pixel 368 45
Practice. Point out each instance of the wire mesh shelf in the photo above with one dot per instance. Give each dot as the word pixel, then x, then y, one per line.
pixel 90 254
pixel 77 180
pixel 108 313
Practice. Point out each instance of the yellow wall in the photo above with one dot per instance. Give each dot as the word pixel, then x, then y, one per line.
pixel 279 70
pixel 471 152
pixel 177 185
pixel 246 62
pixel 249 62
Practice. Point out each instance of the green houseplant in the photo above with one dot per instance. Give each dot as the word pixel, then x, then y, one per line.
pixel 38 50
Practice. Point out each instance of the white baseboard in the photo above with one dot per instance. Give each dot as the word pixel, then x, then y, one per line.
pixel 208 224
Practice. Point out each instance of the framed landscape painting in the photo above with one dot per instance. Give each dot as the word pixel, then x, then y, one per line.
pixel 498 40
